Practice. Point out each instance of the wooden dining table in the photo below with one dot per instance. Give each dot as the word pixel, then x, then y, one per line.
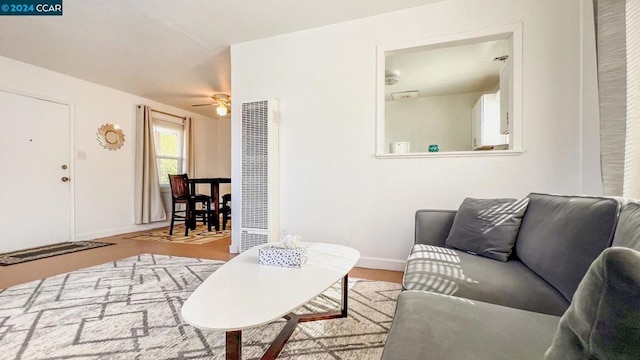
pixel 215 194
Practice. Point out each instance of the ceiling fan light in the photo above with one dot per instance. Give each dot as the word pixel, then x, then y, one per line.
pixel 221 110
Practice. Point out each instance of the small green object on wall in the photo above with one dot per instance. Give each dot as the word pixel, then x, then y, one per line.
pixel 434 148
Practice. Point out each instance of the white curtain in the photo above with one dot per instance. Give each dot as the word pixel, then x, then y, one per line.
pixel 148 204
pixel 611 49
pixel 618 38
pixel 632 154
pixel 189 147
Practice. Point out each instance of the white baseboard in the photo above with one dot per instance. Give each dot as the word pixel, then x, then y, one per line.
pixel 112 232
pixel 233 249
pixel 381 264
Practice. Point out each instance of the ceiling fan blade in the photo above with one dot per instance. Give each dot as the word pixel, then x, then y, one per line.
pixel 204 104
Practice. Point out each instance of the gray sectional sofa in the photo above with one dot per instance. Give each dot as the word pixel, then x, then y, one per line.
pixel 458 305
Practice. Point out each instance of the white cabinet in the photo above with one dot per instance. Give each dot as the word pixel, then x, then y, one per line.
pixel 506 98
pixel 485 123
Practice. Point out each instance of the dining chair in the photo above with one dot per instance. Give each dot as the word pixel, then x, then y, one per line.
pixel 180 195
pixel 225 210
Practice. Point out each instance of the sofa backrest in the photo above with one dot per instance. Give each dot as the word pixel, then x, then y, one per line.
pixel 560 236
pixel 628 230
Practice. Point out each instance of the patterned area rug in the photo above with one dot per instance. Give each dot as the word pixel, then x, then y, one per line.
pixel 201 235
pixel 20 256
pixel 130 309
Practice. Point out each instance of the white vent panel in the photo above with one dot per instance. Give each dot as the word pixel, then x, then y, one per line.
pixel 259 221
pixel 251 239
pixel 255 166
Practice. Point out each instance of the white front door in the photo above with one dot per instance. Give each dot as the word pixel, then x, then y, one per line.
pixel 35 201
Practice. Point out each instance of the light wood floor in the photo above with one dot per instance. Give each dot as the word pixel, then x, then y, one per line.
pixel 216 250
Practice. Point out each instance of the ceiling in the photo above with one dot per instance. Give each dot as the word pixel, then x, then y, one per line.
pixel 174 52
pixel 449 70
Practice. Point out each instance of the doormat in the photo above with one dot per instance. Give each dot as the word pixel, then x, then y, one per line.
pixel 20 256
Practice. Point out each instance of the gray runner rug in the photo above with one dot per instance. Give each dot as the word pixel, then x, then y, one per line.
pixel 130 309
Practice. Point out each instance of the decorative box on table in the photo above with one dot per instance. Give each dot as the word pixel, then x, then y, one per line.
pixel 284 257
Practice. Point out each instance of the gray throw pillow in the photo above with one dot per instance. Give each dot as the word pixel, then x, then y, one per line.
pixel 487 227
pixel 603 321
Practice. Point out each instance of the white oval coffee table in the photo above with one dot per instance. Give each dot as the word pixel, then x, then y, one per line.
pixel 246 294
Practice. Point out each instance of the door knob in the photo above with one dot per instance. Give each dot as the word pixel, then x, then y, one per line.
pixel 65 179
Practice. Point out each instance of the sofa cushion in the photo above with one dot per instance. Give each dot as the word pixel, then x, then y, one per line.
pixel 454 272
pixel 628 230
pixel 434 326
pixel 561 236
pixel 603 321
pixel 487 227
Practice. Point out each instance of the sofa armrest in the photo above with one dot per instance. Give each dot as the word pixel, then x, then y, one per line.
pixel 433 226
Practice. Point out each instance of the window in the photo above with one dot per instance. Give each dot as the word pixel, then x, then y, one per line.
pixel 439 96
pixel 169 149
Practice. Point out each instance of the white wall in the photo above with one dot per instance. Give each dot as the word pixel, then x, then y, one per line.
pixel 334 190
pixel 443 120
pixel 103 183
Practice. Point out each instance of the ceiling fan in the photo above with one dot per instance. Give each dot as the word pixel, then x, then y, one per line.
pixel 222 103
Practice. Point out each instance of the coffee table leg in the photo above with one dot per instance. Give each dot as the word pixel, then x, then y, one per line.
pixel 294 319
pixel 234 345
pixel 345 295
